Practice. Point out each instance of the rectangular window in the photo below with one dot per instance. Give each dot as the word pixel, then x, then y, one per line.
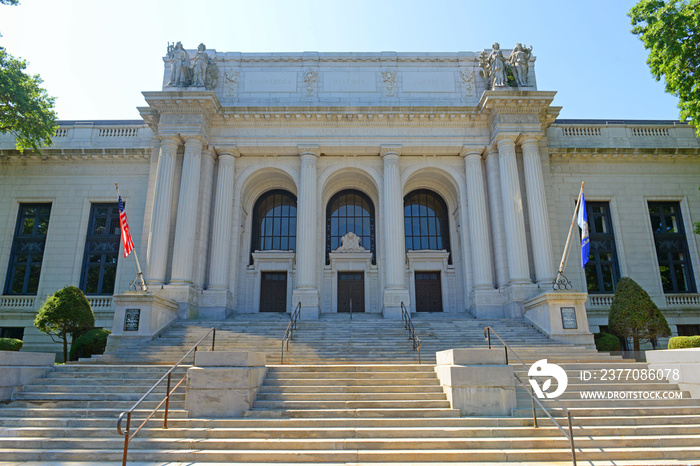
pixel 27 251
pixel 671 247
pixel 688 330
pixel 101 250
pixel 602 271
pixel 12 332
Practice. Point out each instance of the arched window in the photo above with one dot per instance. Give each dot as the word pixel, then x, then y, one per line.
pixel 350 210
pixel 425 221
pixel 275 222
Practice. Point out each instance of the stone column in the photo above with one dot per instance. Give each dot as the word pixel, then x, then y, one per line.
pixel 223 214
pixel 306 290
pixel 478 218
pixel 160 226
pixel 187 208
pixel 496 209
pixel 394 236
pixel 513 216
pixel 537 210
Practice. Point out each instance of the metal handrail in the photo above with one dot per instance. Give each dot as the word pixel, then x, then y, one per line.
pixel 289 333
pixel 408 325
pixel 166 400
pixel 529 391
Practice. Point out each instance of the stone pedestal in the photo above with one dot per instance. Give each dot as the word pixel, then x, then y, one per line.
pixel 139 314
pixel 21 368
pixel 562 316
pixel 223 383
pixel 478 382
pixel 685 361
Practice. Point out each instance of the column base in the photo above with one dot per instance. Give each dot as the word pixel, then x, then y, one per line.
pixel 185 296
pixel 391 308
pixel 308 297
pixel 215 304
pixel 487 303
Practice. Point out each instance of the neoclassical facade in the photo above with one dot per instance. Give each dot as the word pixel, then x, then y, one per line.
pixel 443 181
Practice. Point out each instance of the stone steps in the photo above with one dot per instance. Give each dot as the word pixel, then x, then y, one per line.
pixel 339 401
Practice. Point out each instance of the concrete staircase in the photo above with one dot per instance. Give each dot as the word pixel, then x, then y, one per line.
pixel 357 404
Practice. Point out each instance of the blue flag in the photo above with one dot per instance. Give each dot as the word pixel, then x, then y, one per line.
pixel 583 224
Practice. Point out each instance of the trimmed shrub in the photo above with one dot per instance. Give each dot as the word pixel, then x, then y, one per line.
pixel 65 312
pixel 10 344
pixel 91 342
pixel 607 342
pixel 634 315
pixel 684 342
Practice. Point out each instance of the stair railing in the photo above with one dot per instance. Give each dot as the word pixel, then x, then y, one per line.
pixel 530 391
pixel 289 333
pixel 408 325
pixel 166 400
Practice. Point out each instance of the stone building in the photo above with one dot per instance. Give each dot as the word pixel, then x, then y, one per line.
pixel 443 181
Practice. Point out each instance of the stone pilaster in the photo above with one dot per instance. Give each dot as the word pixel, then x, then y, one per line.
pixel 187 208
pixel 306 290
pixel 159 236
pixel 537 210
pixel 223 214
pixel 478 218
pixel 493 177
pixel 395 290
pixel 513 216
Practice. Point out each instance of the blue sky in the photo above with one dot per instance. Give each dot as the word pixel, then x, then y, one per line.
pixel 97 56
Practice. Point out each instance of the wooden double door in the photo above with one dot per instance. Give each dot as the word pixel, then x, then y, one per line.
pixel 351 291
pixel 428 292
pixel 273 292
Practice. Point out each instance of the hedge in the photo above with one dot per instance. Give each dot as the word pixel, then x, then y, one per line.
pixel 91 342
pixel 607 342
pixel 684 342
pixel 10 344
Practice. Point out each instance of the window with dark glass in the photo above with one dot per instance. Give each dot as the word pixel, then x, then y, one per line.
pixel 101 250
pixel 671 247
pixel 602 271
pixel 27 249
pixel 274 222
pixel 425 221
pixel 350 211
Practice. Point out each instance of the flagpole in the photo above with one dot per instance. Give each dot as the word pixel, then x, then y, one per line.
pixel 561 280
pixel 144 287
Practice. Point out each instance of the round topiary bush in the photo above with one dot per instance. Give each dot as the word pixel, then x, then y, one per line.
pixel 684 342
pixel 66 312
pixel 607 342
pixel 10 344
pixel 91 342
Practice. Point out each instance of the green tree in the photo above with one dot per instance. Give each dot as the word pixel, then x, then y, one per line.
pixel 26 110
pixel 670 31
pixel 634 315
pixel 65 312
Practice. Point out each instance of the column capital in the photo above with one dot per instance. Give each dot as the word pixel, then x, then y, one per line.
pixel 529 138
pixel 309 149
pixel 170 139
pixel 390 149
pixel 194 139
pixel 468 150
pixel 505 139
pixel 230 150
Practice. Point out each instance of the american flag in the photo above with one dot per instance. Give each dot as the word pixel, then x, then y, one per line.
pixel 126 234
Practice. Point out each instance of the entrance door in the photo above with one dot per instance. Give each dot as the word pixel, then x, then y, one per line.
pixel 273 292
pixel 351 289
pixel 428 292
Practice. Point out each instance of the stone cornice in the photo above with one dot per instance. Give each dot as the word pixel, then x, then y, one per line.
pixel 76 155
pixel 623 154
